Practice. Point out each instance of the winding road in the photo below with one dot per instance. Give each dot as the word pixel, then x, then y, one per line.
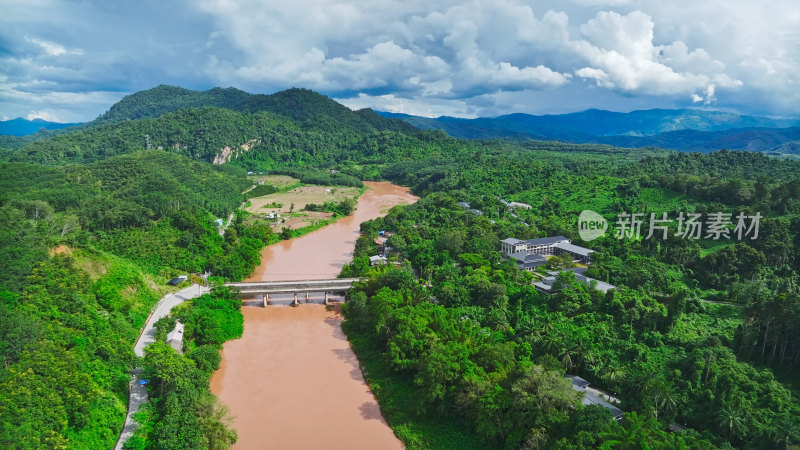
pixel 138 393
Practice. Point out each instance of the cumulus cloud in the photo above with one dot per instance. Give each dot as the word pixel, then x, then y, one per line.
pixel 623 56
pixel 448 57
pixel 450 51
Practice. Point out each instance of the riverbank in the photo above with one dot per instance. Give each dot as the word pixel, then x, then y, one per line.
pixel 292 380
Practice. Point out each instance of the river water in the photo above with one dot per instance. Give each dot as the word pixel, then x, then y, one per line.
pixel 292 381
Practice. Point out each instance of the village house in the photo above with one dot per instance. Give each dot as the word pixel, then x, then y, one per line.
pixel 377 260
pixel 175 337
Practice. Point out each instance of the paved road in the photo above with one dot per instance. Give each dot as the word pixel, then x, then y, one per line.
pixel 162 309
pixel 138 393
pixel 225 227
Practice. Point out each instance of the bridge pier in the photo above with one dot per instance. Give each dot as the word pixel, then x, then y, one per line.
pixel 306 297
pixel 266 299
pixel 295 302
pixel 326 298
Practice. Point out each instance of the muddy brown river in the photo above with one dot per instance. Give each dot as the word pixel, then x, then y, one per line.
pixel 292 381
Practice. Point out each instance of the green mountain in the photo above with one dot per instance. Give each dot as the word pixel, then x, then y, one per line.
pixel 163 99
pixel 87 250
pixel 298 104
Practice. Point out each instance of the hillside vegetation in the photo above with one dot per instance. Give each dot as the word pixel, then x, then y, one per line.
pixel 458 346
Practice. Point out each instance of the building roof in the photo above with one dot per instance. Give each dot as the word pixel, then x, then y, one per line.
pixel 590 398
pixel 526 257
pixel 377 258
pixel 177 280
pixel 511 241
pixel 601 285
pixel 572 248
pixel 547 283
pixel 477 212
pixel 528 260
pixel 547 240
pixel 175 337
pixel 578 383
pixel 464 205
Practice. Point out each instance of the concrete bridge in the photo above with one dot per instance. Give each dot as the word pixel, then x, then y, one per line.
pixel 267 288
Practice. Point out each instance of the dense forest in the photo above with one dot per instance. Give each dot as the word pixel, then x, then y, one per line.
pixel 698 340
pixel 87 249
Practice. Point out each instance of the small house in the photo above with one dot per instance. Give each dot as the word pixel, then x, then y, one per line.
pixel 377 260
pixel 175 337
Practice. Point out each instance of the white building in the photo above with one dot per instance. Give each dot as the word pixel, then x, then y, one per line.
pixel 549 246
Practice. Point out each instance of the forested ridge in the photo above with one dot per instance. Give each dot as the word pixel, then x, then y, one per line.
pixel 459 348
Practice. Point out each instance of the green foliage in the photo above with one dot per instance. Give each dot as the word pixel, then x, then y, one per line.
pixel 261 189
pixel 66 348
pixel 461 350
pixel 651 342
pixel 344 207
pixel 185 414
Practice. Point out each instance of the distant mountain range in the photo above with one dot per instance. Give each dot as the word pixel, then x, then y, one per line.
pixel 23 127
pixel 678 129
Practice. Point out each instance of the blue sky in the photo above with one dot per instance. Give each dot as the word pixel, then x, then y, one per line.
pixel 70 60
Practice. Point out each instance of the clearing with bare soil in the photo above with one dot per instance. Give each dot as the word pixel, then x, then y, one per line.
pixel 299 197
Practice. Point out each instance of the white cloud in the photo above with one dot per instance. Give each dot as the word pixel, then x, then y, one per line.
pixel 444 52
pixel 44 115
pixel 418 106
pixel 52 48
pixel 466 57
pixel 623 56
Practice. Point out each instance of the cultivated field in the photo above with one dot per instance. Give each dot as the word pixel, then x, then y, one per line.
pixel 300 197
pixel 279 181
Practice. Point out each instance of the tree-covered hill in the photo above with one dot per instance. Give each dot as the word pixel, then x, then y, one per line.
pixel 86 250
pixel 304 105
pixel 211 134
pixel 301 105
pixel 164 99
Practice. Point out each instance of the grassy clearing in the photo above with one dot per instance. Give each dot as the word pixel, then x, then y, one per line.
pixel 281 182
pixel 293 201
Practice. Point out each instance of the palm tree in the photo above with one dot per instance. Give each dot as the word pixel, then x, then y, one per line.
pixel 614 375
pixel 731 423
pixel 631 435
